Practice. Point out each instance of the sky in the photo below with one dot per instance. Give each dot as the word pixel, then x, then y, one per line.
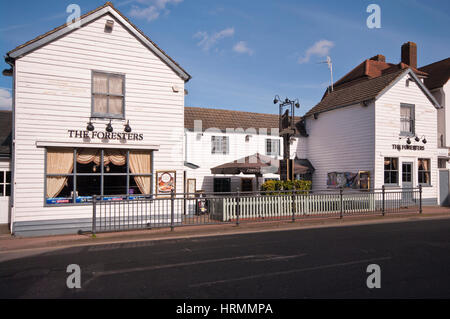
pixel 240 54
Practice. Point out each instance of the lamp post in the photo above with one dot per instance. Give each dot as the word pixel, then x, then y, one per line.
pixel 286 130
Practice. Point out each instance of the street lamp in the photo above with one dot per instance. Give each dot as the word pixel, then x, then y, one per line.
pixel 286 125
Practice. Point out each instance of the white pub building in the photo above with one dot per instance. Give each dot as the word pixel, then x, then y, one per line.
pixel 98 109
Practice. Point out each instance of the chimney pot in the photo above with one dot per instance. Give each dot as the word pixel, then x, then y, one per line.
pixel 409 54
pixel 378 57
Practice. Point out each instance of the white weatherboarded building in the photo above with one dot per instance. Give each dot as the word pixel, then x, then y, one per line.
pixel 380 121
pixel 69 85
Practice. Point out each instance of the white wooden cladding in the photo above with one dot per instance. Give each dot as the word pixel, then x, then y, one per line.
pixel 53 95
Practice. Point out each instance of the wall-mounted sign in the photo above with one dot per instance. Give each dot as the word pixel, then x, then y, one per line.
pixel 102 135
pixel 408 147
pixel 165 182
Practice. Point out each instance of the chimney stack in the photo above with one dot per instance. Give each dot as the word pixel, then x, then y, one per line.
pixel 378 57
pixel 409 54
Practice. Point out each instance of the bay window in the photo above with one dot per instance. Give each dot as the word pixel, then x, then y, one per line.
pixel 75 175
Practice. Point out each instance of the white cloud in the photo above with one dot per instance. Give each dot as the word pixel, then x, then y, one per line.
pixel 5 99
pixel 241 47
pixel 152 9
pixel 208 41
pixel 320 48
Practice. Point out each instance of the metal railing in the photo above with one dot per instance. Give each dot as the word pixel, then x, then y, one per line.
pixel 118 213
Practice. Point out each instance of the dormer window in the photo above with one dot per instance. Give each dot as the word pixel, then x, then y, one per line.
pixel 108 95
pixel 407 119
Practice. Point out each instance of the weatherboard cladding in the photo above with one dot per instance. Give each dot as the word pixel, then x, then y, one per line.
pixel 108 5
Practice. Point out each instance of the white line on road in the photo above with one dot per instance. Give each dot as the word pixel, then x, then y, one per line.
pixel 287 272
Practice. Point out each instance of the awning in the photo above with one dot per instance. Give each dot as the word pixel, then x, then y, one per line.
pixel 254 164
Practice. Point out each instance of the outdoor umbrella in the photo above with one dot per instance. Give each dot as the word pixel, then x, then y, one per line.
pixel 254 164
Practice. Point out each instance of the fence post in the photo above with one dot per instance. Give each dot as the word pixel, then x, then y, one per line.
pixel 172 209
pixel 94 214
pixel 293 206
pixel 420 199
pixel 342 203
pixel 383 192
pixel 238 209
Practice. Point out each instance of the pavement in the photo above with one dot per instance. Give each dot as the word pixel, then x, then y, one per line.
pixel 23 245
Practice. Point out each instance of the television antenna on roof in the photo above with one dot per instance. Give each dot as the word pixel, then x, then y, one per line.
pixel 330 67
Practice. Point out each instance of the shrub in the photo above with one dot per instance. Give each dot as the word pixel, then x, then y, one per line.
pixel 300 186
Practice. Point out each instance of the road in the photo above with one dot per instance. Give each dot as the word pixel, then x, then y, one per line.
pixel 414 259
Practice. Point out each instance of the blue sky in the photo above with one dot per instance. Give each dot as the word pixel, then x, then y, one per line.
pixel 241 53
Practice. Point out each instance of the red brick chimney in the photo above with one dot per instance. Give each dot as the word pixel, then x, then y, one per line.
pixel 378 57
pixel 409 54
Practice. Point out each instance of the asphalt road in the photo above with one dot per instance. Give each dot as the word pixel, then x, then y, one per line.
pixel 414 258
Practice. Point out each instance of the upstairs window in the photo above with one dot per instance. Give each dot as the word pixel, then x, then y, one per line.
pixel 108 95
pixel 219 145
pixel 407 119
pixel 272 147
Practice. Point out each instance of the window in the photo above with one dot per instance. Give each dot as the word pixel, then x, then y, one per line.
pixel 442 163
pixel 75 175
pixel 272 147
pixel 407 119
pixel 391 171
pixel 222 185
pixel 219 145
pixel 5 183
pixel 424 171
pixel 108 95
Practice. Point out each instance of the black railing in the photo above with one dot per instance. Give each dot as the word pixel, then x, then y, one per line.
pixel 120 213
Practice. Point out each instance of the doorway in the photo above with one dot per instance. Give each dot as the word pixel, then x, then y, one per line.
pixel 247 184
pixel 407 183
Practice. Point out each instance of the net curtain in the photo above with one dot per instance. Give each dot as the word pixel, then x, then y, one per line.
pixel 60 161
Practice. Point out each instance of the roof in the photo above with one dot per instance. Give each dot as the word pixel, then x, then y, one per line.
pixel 223 119
pixel 438 73
pixel 88 17
pixel 365 90
pixel 356 93
pixel 372 68
pixel 5 133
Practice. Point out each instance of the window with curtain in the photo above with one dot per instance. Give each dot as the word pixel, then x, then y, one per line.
pixel 219 145
pixel 424 171
pixel 272 147
pixel 407 119
pixel 75 175
pixel 391 171
pixel 108 95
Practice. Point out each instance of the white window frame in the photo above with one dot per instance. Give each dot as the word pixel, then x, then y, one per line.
pixel 220 145
pixel 274 149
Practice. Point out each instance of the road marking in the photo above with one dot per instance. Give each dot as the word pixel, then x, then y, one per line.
pixel 192 263
pixel 287 272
